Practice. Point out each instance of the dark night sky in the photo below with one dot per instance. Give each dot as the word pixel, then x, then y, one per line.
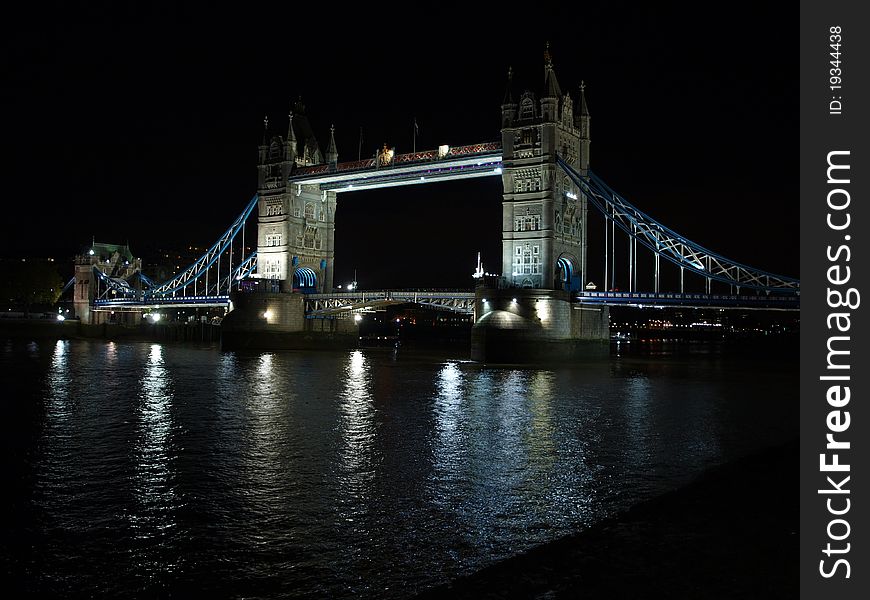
pixel 142 124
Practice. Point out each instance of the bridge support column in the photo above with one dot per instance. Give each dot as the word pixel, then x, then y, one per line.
pixel 529 325
pixel 277 321
pixel 83 294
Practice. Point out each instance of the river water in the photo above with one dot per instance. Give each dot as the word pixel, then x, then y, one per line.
pixel 136 468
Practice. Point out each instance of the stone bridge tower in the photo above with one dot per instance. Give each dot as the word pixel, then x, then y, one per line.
pixel 296 223
pixel 544 213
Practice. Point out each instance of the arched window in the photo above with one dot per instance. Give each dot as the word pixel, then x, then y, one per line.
pixel 527 106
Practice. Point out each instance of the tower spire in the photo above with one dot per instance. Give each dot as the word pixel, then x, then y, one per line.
pixel 508 106
pixel 265 129
pixel 290 144
pixel 508 94
pixel 551 84
pixel 332 151
pixel 291 134
pixel 584 110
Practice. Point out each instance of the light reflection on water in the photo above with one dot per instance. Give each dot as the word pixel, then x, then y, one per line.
pixel 153 517
pixel 166 469
pixel 357 431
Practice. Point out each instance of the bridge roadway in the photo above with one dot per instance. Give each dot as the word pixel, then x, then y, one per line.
pixel 345 302
pixel 162 302
pixel 461 301
pixel 663 299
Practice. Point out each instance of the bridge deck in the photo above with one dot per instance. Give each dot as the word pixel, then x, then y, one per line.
pixel 643 299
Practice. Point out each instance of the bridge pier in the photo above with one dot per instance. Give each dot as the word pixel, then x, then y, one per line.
pixel 277 321
pixel 536 325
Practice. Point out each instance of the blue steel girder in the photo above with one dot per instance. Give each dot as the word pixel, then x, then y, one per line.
pixel 204 262
pixel 672 246
pixel 113 285
pixel 245 268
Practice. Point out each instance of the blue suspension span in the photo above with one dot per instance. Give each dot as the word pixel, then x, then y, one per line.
pixel 146 281
pixel 202 264
pixel 245 268
pixel 114 284
pixel 68 285
pixel 669 244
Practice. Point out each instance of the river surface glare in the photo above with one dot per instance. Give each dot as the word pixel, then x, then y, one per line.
pixel 136 468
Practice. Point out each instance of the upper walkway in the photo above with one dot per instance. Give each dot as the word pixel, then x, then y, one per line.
pixel 388 170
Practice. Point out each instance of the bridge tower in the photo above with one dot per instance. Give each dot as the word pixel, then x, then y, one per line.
pixel 117 262
pixel 544 213
pixel 296 223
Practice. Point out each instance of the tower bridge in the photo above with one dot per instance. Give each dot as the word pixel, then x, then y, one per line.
pixel 543 160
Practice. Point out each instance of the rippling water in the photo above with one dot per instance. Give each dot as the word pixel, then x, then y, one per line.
pixel 139 468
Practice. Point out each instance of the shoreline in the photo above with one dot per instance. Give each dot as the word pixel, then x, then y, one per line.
pixel 730 533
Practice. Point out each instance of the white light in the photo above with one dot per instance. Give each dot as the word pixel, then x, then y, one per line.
pixel 267 315
pixel 61 318
pixel 498 170
pixel 91 251
pixel 350 286
pixel 484 300
pixel 154 317
pixel 571 195
pixel 422 179
pixel 357 317
pixel 513 300
pixel 398 320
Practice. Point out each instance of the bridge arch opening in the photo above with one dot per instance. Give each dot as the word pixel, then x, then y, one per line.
pixel 304 280
pixel 420 236
pixel 566 272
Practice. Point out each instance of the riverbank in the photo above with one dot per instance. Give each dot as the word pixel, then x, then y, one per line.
pixel 732 533
pixel 71 329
